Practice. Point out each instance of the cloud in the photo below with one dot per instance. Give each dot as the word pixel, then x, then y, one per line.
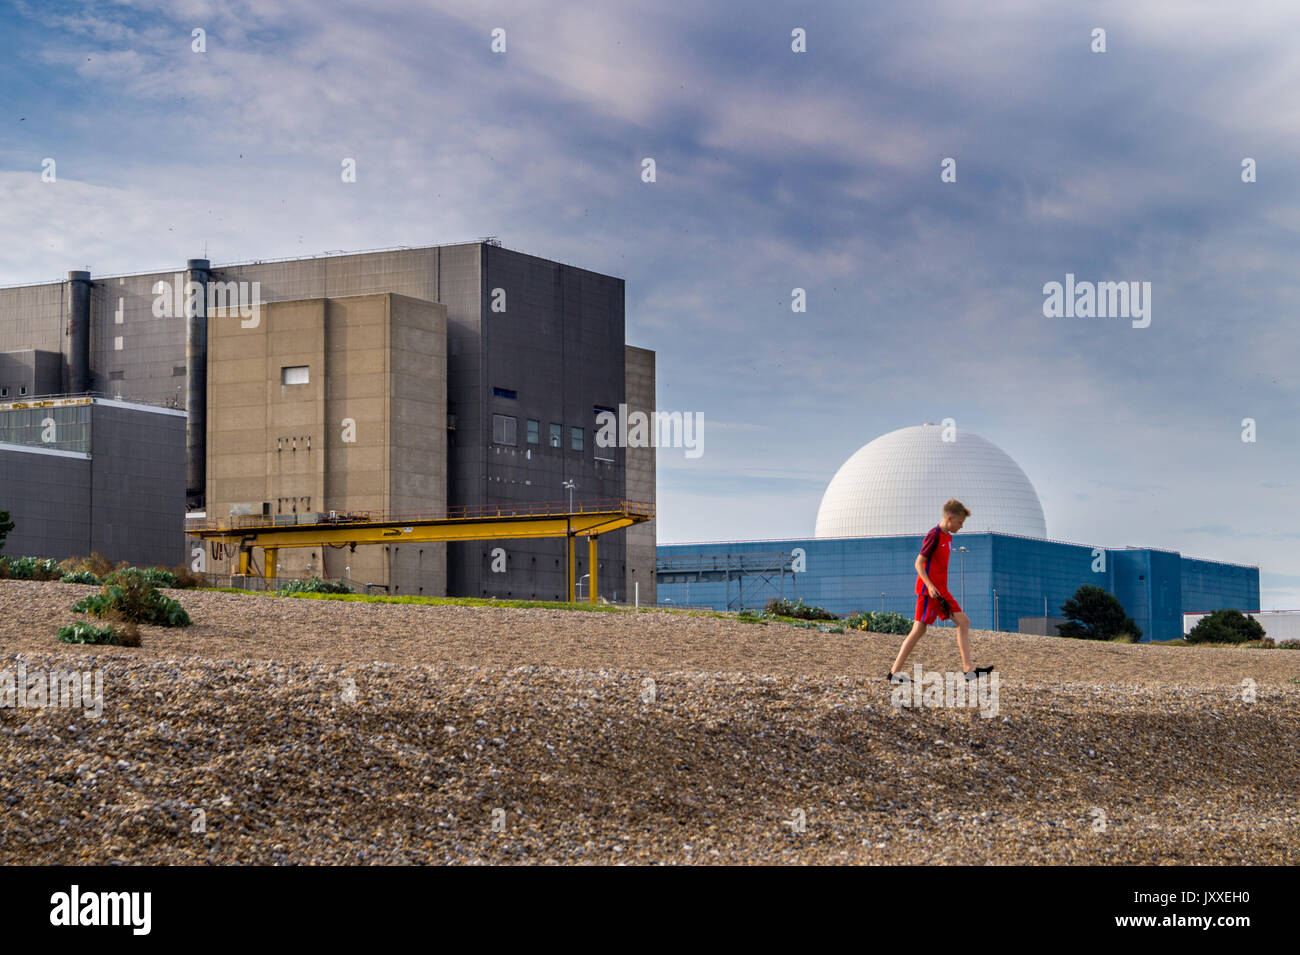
pixel 776 170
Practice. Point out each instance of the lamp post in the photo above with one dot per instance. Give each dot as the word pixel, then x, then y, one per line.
pixel 570 484
pixel 962 551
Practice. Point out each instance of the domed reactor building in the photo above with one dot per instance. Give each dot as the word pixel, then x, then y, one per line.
pixel 1005 571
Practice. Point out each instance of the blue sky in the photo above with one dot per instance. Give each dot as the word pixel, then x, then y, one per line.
pixel 776 170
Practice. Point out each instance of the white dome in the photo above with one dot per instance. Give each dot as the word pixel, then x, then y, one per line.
pixel 897 485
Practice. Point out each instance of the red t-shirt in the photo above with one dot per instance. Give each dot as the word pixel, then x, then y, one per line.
pixel 935 549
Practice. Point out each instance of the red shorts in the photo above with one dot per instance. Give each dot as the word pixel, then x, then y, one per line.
pixel 928 609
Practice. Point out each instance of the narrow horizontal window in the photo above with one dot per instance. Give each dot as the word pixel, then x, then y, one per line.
pixel 293 375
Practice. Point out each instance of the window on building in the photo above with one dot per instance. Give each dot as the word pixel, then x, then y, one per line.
pixel 534 431
pixel 504 393
pixel 556 433
pixel 503 429
pixel 575 438
pixel 293 375
pixel 4 392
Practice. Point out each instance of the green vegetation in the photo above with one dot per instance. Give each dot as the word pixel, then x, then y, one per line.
pixel 29 568
pixel 779 607
pixel 448 601
pixel 79 577
pixel 131 595
pixel 91 570
pixel 879 622
pixel 1226 626
pixel 81 632
pixel 313 586
pixel 1096 614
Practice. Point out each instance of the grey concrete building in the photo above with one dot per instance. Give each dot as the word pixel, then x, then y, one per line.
pixel 534 350
pixel 86 475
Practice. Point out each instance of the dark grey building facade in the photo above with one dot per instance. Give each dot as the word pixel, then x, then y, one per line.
pixel 80 476
pixel 535 349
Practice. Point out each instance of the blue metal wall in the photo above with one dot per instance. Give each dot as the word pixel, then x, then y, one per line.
pixel 1212 586
pixel 1005 578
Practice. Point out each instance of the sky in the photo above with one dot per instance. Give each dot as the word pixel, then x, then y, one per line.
pixel 775 170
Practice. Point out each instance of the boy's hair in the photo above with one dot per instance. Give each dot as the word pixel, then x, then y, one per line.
pixel 956 508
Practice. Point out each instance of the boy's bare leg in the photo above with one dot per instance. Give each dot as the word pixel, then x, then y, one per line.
pixel 963 641
pixel 918 631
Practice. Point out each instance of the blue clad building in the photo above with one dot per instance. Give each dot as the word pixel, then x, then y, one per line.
pixel 1003 582
pixel 1004 571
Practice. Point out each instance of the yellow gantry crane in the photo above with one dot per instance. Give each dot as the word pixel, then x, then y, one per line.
pixel 587 519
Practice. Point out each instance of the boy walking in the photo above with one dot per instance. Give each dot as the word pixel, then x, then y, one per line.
pixel 933 601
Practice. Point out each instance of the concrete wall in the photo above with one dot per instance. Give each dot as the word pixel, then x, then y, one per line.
pixel 32 317
pixel 30 373
pixel 417 436
pixel 365 433
pixel 641 474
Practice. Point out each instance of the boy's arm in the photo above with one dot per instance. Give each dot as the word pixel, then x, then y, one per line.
pixel 925 578
pixel 927 549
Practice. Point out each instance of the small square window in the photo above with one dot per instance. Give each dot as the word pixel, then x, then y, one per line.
pixel 575 438
pixel 556 433
pixel 22 389
pixel 503 429
pixel 293 375
pixel 534 431
pixel 4 392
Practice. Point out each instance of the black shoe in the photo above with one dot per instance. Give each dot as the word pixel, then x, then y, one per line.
pixel 899 677
pixel 976 673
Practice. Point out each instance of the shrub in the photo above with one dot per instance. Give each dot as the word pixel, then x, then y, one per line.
pixel 79 577
pixel 313 586
pixel 131 596
pixel 6 526
pixel 158 576
pixel 186 578
pixel 96 564
pixel 29 568
pixel 779 607
pixel 82 632
pixel 879 622
pixel 1096 614
pixel 1226 626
